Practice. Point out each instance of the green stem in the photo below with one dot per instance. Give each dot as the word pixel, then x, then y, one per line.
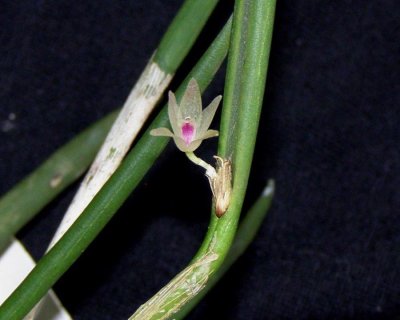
pixel 182 33
pixel 24 200
pixel 246 233
pixel 244 89
pixel 50 268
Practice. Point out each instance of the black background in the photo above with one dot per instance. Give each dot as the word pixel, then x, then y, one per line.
pixel 329 136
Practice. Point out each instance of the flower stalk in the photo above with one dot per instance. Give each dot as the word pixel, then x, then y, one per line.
pixel 211 173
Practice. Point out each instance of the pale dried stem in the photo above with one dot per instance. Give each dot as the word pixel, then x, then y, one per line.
pixel 140 103
pixel 176 293
pixel 134 113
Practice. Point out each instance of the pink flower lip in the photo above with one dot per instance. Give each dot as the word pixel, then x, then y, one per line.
pixel 188 132
pixel 189 122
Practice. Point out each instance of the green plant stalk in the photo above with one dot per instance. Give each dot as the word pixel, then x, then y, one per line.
pixel 245 83
pixel 244 88
pixel 50 268
pixel 29 196
pixel 182 33
pixel 247 231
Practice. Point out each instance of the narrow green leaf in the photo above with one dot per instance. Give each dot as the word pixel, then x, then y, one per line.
pixel 62 168
pixel 246 77
pixel 244 89
pixel 246 233
pixel 182 33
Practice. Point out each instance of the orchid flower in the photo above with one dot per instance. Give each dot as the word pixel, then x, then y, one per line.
pixel 190 124
pixel 189 121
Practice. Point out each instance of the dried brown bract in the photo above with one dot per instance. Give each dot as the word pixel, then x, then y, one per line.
pixel 221 186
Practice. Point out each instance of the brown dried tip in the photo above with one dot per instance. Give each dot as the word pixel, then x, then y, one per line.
pixel 221 186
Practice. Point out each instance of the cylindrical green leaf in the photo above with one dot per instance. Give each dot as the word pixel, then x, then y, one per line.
pixel 246 233
pixel 62 168
pixel 182 33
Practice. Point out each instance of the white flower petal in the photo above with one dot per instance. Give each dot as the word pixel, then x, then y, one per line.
pixel 194 145
pixel 161 132
pixel 208 114
pixel 190 105
pixel 180 143
pixel 208 134
pixel 173 113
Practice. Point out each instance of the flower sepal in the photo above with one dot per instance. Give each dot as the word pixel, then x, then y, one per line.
pixel 188 120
